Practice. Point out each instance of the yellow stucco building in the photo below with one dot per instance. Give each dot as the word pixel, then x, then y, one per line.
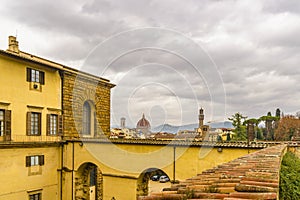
pixel 43 106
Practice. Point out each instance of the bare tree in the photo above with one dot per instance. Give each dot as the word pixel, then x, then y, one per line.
pixel 288 127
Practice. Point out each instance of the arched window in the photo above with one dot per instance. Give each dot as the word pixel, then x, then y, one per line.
pixel 86 120
pixel 89 120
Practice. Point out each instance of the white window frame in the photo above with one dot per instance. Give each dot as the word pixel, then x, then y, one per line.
pixel 35 76
pixel 34 160
pixel 53 129
pixel 35 123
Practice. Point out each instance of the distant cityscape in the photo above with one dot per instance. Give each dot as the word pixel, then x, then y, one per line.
pixel 213 131
pixel 279 127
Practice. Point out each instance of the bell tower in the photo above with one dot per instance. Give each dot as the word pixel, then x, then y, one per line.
pixel 201 117
pixel 123 122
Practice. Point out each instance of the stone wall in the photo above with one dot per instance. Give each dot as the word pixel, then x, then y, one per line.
pixel 78 88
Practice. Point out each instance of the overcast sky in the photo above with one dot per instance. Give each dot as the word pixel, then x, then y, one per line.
pixel 169 58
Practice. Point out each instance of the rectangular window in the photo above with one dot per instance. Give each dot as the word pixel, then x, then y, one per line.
pixel 34 160
pixel 36 76
pixel 33 123
pixel 53 125
pixel 37 196
pixel 5 124
pixel 1 122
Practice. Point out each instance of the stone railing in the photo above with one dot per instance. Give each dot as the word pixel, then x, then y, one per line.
pixel 254 176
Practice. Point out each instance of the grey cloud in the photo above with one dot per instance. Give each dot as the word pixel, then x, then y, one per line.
pixel 292 6
pixel 254 44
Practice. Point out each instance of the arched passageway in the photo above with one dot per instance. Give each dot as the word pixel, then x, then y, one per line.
pixel 88 182
pixel 144 177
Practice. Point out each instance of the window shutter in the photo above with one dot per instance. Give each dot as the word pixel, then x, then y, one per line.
pixel 42 78
pixel 48 124
pixel 60 125
pixel 7 126
pixel 28 123
pixel 40 123
pixel 27 161
pixel 41 160
pixel 28 74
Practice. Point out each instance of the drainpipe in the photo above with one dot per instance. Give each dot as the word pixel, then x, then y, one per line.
pixel 61 74
pixel 61 169
pixel 72 170
pixel 174 163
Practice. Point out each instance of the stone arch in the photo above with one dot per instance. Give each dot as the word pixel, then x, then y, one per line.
pixel 88 182
pixel 143 180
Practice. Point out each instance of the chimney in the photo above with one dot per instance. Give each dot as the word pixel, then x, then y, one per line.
pixel 13 44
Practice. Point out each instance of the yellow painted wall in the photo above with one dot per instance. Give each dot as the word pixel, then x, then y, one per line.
pixel 15 180
pixel 134 159
pixel 131 160
pixel 195 160
pixel 120 188
pixel 16 91
pixel 117 187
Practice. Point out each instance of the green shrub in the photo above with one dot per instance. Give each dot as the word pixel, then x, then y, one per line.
pixel 289 188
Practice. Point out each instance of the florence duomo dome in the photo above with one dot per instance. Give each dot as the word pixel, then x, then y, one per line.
pixel 143 125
